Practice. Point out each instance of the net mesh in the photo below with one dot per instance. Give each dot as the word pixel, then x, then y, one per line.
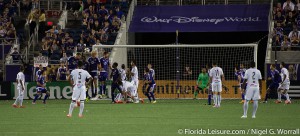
pixel 177 68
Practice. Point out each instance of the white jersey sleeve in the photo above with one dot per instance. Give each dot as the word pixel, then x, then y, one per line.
pixel 134 70
pixel 216 73
pixel 253 76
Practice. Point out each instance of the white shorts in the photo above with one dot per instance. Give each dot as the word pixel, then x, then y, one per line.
pixel 216 87
pixel 252 93
pixel 284 86
pixel 79 93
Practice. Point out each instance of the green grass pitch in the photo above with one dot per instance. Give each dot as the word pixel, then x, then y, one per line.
pixel 167 117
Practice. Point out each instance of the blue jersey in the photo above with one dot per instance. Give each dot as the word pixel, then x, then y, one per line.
pixel 275 75
pixel 115 74
pixel 41 80
pixel 93 62
pixel 72 63
pixel 38 73
pixel 104 64
pixel 86 66
pixel 240 73
pixel 150 78
pixel 62 73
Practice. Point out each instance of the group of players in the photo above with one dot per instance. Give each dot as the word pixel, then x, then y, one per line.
pixel 76 71
pixel 126 82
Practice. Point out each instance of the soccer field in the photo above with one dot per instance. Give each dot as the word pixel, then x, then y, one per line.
pixel 167 117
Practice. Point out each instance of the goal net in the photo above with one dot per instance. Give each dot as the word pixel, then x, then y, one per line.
pixel 177 67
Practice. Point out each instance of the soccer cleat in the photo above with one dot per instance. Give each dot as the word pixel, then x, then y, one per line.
pixel 154 102
pixel 242 101
pixel 15 106
pixel 87 99
pixel 119 102
pixel 33 103
pixel 277 101
pixel 142 100
pixel 244 117
pixel 264 102
pixel 44 102
pixel 253 117
pixel 22 106
pixel 288 102
pixel 69 115
pixel 78 103
pixel 80 116
pixel 215 106
pixel 137 102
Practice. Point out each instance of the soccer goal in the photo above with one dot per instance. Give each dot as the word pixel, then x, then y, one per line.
pixel 177 66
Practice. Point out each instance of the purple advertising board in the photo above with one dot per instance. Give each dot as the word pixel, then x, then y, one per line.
pixel 208 18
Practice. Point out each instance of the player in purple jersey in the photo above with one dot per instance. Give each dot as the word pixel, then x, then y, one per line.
pixel 41 88
pixel 116 76
pixel 38 72
pixel 151 86
pixel 276 79
pixel 151 70
pixel 61 72
pixel 104 67
pixel 240 73
pixel 94 66
pixel 72 62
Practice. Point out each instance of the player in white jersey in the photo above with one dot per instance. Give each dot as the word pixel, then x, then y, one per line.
pixel 77 79
pixel 216 78
pixel 21 88
pixel 253 80
pixel 134 74
pixel 284 85
pixel 129 89
pixel 123 72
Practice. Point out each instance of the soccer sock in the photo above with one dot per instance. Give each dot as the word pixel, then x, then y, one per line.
pixel 279 96
pixel 209 99
pixel 152 95
pixel 287 96
pixel 255 106
pixel 36 97
pixel 104 89
pixel 45 98
pixel 72 107
pixel 195 94
pixel 81 107
pixel 100 92
pixel 93 89
pixel 220 99
pixel 246 107
pixel 147 94
pixel 243 96
pixel 21 100
pixel 112 96
pixel 267 95
pixel 215 99
pixel 17 100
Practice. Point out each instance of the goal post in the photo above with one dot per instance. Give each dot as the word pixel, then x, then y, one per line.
pixel 177 66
